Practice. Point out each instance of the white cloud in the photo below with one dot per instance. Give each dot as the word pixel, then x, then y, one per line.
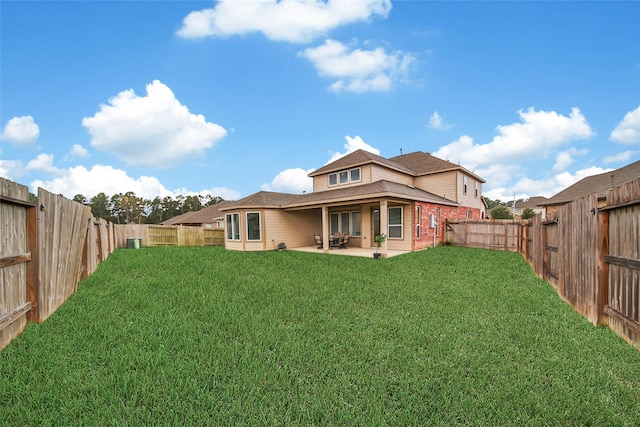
pixel 565 158
pixel 153 130
pixel 101 179
pixel 619 158
pixel 628 130
pixel 294 180
pixel 436 122
pixel 538 135
pixel 11 169
pixel 78 150
pixel 357 70
pixel 526 187
pixel 286 20
pixel 109 180
pixel 21 131
pixel 44 163
pixel 353 144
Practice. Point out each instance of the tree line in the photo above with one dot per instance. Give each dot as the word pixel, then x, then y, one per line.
pixel 501 210
pixel 127 208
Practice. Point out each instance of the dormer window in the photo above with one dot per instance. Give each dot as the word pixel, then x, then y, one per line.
pixel 344 177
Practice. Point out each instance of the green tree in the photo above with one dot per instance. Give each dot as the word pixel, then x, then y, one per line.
pixel 101 207
pixel 156 212
pixel 80 199
pixel 501 212
pixel 192 203
pixel 211 200
pixel 528 213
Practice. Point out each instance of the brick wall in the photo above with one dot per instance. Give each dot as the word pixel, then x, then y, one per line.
pixel 441 213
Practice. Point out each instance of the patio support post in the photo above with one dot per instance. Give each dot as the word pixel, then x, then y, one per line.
pixel 325 229
pixel 384 226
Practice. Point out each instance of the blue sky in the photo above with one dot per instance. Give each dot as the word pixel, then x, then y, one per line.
pixel 232 97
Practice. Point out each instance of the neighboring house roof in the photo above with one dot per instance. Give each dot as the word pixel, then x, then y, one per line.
pixel 599 184
pixel 203 216
pixel 533 202
pixel 425 164
pixel 373 190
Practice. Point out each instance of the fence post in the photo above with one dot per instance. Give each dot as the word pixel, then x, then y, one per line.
pixel 33 266
pixel 602 287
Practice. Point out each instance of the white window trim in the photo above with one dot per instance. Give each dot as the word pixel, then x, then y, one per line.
pixel 233 228
pixel 259 226
pixel 401 225
pixel 348 181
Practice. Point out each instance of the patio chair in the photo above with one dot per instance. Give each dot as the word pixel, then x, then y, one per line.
pixel 334 241
pixel 344 242
pixel 318 240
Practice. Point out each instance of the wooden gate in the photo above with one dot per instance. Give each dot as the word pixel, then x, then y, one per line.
pixel 622 263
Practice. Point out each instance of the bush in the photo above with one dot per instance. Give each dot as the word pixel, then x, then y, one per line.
pixel 501 212
pixel 528 213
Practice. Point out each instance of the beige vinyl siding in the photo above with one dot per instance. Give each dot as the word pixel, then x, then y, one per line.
pixel 441 184
pixel 469 199
pixel 294 229
pixel 321 182
pixel 403 244
pixel 379 173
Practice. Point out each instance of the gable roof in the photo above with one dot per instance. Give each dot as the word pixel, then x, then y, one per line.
pixel 358 158
pixel 599 184
pixel 203 216
pixel 425 164
pixel 532 203
pixel 354 194
pixel 414 164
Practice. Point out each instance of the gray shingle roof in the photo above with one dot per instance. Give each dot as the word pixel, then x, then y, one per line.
pixel 414 164
pixel 532 203
pixel 359 158
pixel 203 216
pixel 346 194
pixel 599 184
pixel 425 164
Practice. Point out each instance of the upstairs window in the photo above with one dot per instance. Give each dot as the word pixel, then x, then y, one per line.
pixel 464 184
pixel 344 177
pixel 476 188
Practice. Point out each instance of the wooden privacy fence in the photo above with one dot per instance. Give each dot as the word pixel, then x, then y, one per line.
pixel 590 254
pixel 47 247
pixel 168 235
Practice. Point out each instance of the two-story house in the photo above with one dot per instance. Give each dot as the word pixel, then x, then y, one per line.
pixel 407 198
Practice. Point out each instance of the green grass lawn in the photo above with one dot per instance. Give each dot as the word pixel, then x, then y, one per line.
pixel 202 336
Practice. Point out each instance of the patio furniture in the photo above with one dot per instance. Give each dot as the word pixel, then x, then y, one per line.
pixel 344 242
pixel 318 240
pixel 334 241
